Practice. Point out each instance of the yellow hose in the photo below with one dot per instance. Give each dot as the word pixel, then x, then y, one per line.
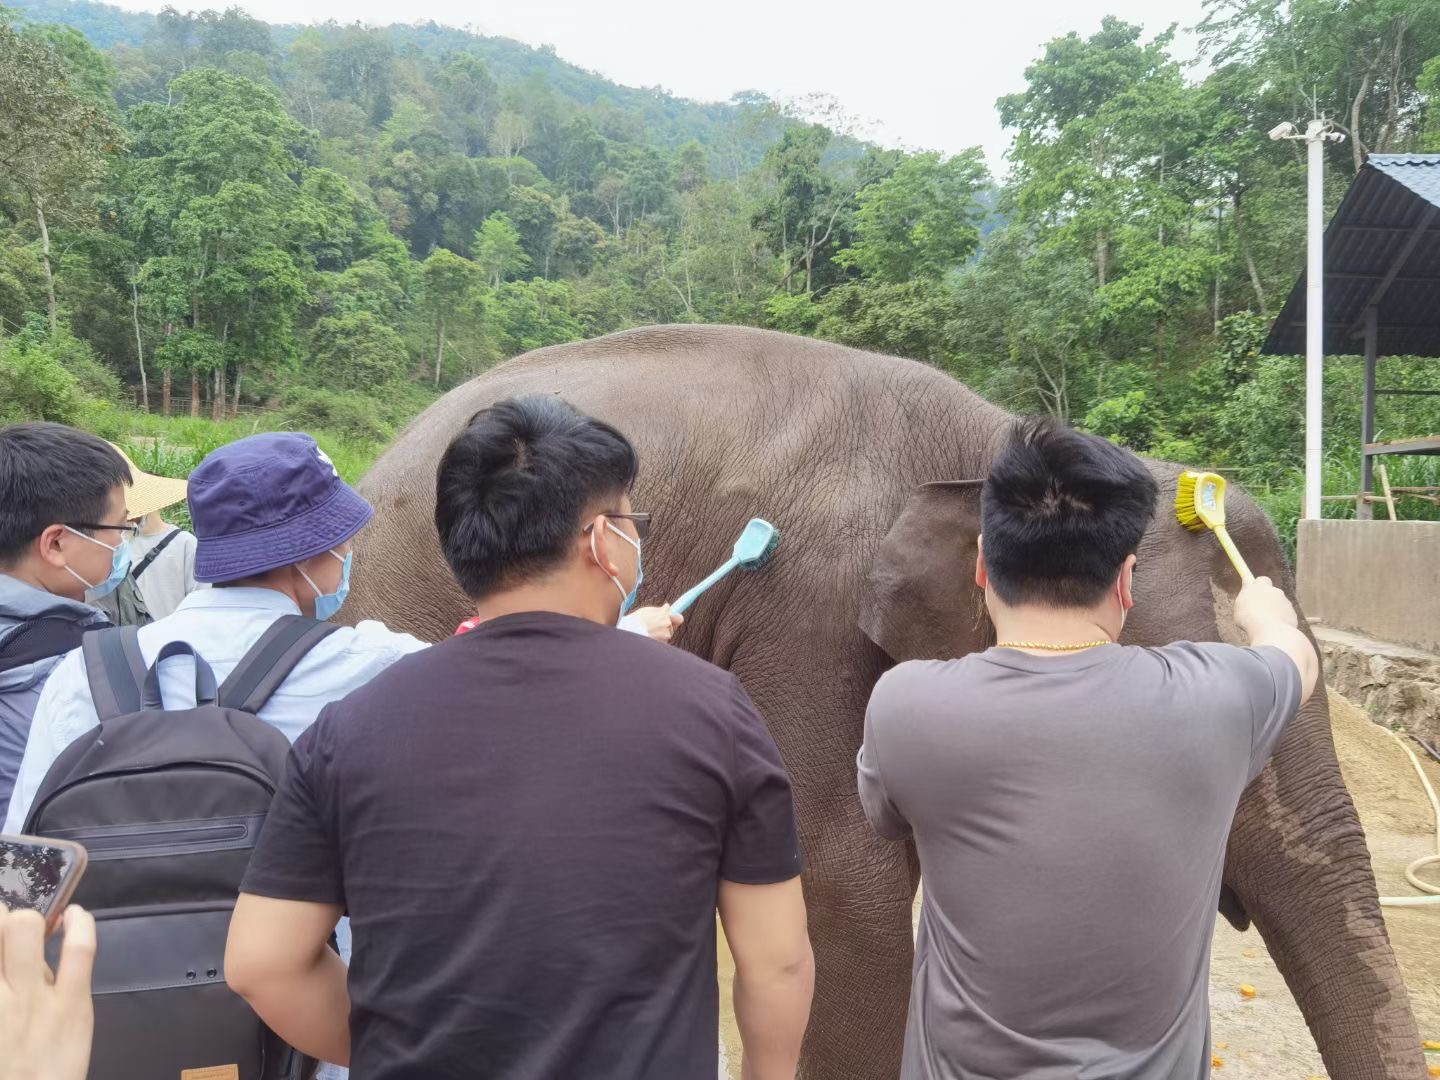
pixel 1424 860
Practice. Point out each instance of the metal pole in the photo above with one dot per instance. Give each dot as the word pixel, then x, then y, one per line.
pixel 1367 420
pixel 1314 317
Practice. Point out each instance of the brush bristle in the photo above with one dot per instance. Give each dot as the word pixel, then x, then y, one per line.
pixel 764 556
pixel 1185 512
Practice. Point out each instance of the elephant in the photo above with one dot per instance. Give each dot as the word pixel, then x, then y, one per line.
pixel 870 467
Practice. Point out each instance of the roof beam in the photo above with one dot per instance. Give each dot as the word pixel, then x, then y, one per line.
pixel 1377 228
pixel 1401 257
pixel 1403 279
pixel 1384 326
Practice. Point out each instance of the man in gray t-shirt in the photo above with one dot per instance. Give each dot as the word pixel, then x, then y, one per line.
pixel 1070 798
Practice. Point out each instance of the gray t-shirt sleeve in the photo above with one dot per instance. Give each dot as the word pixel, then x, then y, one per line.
pixel 1272 684
pixel 882 814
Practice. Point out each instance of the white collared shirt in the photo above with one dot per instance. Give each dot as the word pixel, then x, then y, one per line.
pixel 221 625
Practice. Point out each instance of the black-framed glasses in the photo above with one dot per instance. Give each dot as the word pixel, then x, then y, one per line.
pixel 130 531
pixel 640 521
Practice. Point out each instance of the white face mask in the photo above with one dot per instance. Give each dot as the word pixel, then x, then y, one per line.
pixel 119 565
pixel 627 599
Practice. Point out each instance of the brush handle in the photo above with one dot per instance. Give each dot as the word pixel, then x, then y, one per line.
pixel 679 607
pixel 1223 535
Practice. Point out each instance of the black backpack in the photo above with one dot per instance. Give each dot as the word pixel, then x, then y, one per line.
pixel 169 805
pixel 39 638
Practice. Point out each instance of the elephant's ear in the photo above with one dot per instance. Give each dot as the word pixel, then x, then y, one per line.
pixel 920 600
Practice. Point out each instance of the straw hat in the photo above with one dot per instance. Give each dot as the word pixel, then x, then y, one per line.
pixel 149 493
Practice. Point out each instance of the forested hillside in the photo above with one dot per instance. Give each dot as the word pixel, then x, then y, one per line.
pixel 214 215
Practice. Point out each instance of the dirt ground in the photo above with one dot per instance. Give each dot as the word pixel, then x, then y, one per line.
pixel 1264 1037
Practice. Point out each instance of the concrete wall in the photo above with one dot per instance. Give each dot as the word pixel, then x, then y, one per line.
pixel 1377 578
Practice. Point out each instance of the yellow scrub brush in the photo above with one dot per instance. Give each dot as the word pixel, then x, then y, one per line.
pixel 1200 505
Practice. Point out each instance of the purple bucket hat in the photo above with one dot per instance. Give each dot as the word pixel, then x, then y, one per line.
pixel 269 501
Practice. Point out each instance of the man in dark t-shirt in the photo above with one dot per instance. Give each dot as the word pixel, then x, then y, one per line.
pixel 531 825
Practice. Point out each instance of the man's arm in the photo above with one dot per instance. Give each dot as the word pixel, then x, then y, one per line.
pixel 64 701
pixel 774 973
pixel 277 958
pixel 880 812
pixel 291 898
pixel 659 623
pixel 1268 617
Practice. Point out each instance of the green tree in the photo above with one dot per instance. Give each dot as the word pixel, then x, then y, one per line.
pixel 920 221
pixel 535 216
pixel 528 315
pixel 804 205
pixel 357 352
pixel 1358 63
pixel 468 100
pixel 34 385
pixel 54 142
pixel 1429 86
pixel 220 34
pixel 210 198
pixel 448 283
pixel 498 250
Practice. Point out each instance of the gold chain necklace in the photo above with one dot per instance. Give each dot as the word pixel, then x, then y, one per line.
pixel 1051 648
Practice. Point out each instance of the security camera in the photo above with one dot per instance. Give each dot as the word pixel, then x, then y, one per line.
pixel 1284 130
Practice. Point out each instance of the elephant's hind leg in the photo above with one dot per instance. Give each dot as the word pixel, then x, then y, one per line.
pixel 859 889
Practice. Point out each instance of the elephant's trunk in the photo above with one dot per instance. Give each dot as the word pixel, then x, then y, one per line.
pixel 1299 864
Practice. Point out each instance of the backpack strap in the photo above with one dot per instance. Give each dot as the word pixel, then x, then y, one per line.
pixel 204 677
pixel 270 662
pixel 144 563
pixel 40 639
pixel 115 668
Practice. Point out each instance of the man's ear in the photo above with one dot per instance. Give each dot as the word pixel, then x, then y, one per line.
pixel 1127 580
pixel 597 549
pixel 982 576
pixel 47 545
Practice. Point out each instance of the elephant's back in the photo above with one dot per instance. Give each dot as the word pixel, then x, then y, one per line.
pixel 729 422
pixel 722 391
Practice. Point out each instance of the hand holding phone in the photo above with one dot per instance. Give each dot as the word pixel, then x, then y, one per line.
pixel 37 874
pixel 46 1022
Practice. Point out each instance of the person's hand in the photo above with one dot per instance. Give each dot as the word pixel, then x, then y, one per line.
pixel 659 622
pixel 46 1021
pixel 1261 604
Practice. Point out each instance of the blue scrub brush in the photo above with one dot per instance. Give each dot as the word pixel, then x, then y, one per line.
pixel 754 548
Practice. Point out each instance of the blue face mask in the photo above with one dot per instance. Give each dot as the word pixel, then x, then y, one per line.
pixel 328 604
pixel 627 600
pixel 119 566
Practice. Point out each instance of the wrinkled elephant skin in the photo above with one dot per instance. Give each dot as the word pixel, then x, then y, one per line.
pixel 834 445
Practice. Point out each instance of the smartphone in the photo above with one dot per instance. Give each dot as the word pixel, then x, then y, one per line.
pixel 39 874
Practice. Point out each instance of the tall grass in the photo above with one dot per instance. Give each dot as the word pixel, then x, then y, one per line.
pixel 174 446
pixel 1283 496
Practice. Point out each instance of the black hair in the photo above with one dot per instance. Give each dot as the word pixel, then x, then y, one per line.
pixel 51 474
pixel 1061 512
pixel 513 487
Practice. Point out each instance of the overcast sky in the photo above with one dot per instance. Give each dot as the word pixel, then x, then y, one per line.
pixel 926 75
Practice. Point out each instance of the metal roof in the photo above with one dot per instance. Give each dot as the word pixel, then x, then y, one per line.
pixel 1383 242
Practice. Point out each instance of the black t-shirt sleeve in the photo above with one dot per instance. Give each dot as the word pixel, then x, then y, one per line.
pixel 297 857
pixel 761 844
